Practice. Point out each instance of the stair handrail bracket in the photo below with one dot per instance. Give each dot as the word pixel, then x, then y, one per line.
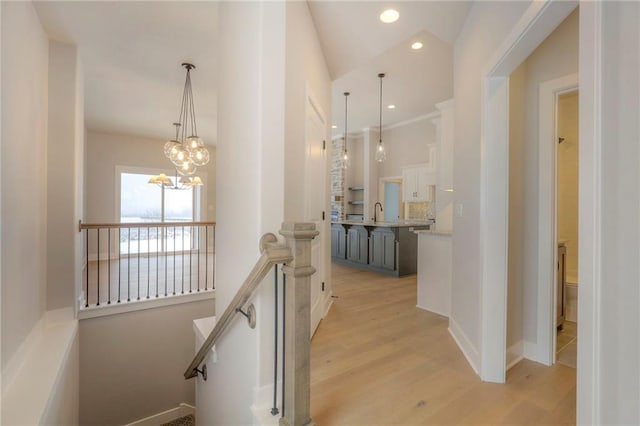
pixel 295 255
pixel 273 254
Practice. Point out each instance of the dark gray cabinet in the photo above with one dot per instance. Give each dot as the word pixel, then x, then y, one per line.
pixel 382 250
pixel 338 241
pixel 387 249
pixel 358 244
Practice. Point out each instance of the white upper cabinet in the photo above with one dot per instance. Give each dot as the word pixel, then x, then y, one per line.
pixel 416 183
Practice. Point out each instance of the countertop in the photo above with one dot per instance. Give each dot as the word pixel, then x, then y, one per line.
pixel 434 232
pixel 401 224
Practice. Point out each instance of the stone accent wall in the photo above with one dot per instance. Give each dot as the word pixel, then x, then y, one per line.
pixel 337 180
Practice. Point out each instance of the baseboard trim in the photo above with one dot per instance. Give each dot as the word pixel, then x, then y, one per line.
pixel 468 350
pixel 328 302
pixel 261 408
pixel 181 410
pixel 432 311
pixel 530 351
pixel 514 354
pixel 138 305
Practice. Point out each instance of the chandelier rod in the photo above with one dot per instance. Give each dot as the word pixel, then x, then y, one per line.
pixel 381 75
pixel 346 96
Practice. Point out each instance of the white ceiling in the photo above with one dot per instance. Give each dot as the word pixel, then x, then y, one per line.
pixel 414 81
pixel 131 54
pixel 358 46
pixel 132 51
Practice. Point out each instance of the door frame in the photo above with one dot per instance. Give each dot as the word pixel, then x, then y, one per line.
pixel 549 92
pixel 538 21
pixel 313 108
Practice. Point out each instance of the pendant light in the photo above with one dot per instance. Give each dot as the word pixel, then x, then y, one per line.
pixel 345 153
pixel 187 151
pixel 381 154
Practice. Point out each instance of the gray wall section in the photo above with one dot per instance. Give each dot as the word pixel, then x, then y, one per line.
pixel 131 364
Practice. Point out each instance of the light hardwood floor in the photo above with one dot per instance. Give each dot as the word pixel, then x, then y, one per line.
pixel 376 359
pixel 148 276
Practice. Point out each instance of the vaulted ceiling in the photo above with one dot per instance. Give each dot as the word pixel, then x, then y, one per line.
pixel 132 51
pixel 131 54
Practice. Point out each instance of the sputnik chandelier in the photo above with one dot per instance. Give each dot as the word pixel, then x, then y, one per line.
pixel 187 151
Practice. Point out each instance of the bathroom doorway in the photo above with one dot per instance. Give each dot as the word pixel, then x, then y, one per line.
pixel 567 227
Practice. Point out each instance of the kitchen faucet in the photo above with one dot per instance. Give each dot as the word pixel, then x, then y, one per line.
pixel 375 211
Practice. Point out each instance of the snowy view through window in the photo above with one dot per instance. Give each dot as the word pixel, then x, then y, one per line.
pixel 142 203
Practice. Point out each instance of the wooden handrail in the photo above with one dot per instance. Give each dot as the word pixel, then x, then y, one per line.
pixel 82 226
pixel 272 254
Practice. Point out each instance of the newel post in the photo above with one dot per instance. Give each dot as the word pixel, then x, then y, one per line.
pixel 297 354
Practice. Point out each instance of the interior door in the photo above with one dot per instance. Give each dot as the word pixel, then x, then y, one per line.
pixel 315 175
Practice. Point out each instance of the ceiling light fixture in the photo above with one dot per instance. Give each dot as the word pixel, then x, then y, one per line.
pixel 334 126
pixel 417 45
pixel 345 153
pixel 389 16
pixel 187 151
pixel 392 106
pixel 381 154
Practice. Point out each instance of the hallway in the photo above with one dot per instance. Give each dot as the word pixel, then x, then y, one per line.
pixel 376 359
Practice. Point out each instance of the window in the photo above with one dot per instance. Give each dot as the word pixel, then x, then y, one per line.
pixel 141 202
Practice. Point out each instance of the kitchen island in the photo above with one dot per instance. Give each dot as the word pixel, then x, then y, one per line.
pixel 387 247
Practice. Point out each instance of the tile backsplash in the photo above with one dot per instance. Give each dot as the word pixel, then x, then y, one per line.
pixel 420 211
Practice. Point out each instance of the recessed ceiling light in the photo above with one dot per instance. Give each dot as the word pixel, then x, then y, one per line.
pixel 417 45
pixel 392 106
pixel 334 126
pixel 389 16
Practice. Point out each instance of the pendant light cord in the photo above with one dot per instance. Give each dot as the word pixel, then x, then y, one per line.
pixel 187 109
pixel 380 123
pixel 346 94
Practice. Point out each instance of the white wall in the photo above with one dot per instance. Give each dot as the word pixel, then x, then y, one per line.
pixel 106 151
pixel 557 56
pixel 240 206
pixel 23 168
pixel 268 54
pixel 64 174
pixel 517 160
pixel 609 319
pixel 305 68
pixel 472 51
pixel 132 364
pixel 568 180
pixel 406 145
pixel 64 406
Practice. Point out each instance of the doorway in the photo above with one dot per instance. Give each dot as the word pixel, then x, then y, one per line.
pixel 538 22
pixel 566 215
pixel 315 203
